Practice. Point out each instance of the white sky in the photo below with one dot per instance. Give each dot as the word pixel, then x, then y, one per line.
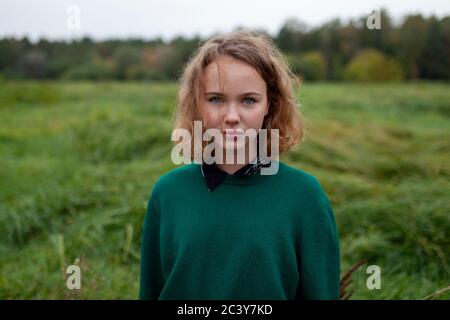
pixel 166 18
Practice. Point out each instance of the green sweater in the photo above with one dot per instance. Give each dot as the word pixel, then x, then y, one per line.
pixel 254 237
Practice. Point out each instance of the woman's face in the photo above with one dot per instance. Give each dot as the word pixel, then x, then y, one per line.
pixel 234 99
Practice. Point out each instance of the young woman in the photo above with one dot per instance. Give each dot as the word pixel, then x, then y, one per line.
pixel 224 230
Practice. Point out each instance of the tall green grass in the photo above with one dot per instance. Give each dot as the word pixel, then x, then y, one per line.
pixel 78 162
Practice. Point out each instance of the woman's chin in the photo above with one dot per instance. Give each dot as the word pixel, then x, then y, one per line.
pixel 233 146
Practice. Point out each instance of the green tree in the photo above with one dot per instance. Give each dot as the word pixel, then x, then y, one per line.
pixel 310 65
pixel 34 64
pixel 373 65
pixel 435 61
pixel 126 57
pixel 412 42
pixel 291 37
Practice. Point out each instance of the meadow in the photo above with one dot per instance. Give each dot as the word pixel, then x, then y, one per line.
pixel 78 161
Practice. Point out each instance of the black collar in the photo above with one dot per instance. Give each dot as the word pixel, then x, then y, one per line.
pixel 215 176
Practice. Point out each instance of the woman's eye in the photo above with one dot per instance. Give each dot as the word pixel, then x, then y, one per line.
pixel 215 100
pixel 249 100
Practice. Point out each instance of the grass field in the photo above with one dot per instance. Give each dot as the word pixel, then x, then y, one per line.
pixel 78 162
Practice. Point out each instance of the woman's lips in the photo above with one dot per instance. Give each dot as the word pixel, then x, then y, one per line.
pixel 233 133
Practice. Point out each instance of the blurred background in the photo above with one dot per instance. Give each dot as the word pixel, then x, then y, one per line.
pixel 87 94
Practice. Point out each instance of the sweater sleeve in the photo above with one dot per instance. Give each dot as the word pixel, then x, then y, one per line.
pixel 319 261
pixel 151 277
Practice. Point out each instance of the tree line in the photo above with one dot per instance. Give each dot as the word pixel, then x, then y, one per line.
pixel 418 47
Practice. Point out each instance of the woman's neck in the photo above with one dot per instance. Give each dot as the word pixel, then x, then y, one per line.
pixel 231 168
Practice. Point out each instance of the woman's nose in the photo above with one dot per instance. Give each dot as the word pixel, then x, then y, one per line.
pixel 231 114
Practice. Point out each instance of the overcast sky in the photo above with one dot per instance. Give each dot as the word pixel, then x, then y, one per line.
pixel 57 19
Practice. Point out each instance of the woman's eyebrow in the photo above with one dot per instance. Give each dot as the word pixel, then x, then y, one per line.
pixel 251 93
pixel 214 93
pixel 241 95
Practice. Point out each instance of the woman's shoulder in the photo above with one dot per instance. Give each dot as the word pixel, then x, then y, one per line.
pixel 177 176
pixel 310 194
pixel 300 178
